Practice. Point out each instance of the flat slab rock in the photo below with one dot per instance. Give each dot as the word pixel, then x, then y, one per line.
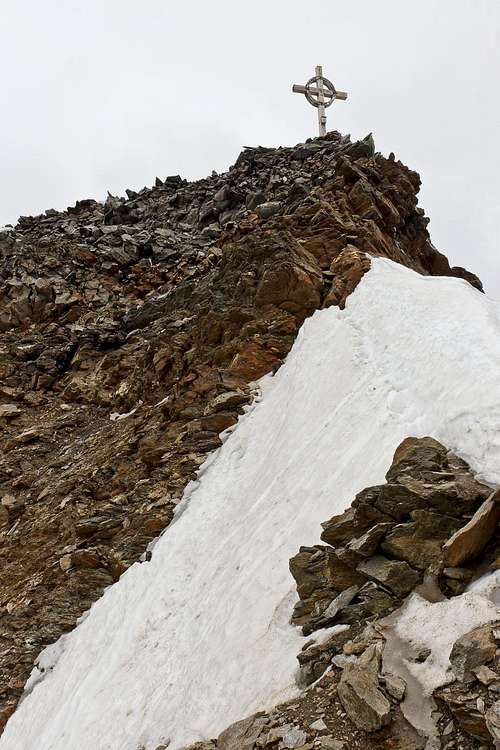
pixel 397 575
pixel 472 538
pixel 359 692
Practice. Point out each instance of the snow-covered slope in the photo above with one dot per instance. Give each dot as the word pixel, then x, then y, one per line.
pixel 199 637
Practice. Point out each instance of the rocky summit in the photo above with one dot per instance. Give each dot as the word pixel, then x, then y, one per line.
pixel 132 334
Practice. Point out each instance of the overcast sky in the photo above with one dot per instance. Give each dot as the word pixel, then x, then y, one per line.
pixel 107 94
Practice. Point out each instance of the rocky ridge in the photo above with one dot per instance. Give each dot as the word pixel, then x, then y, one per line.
pixel 396 539
pixel 131 332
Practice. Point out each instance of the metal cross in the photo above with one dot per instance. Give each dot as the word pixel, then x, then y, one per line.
pixel 320 92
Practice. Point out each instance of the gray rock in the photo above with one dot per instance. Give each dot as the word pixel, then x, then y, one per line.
pixel 266 210
pixel 243 734
pixel 395 686
pixel 294 738
pixel 363 701
pixel 398 576
pixel 472 650
pixel 255 199
pixel 340 601
pixel 328 743
pixel 318 725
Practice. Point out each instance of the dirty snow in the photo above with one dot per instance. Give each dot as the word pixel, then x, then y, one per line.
pixel 199 637
pixel 421 624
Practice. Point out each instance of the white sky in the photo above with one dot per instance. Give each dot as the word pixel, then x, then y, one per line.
pixel 107 94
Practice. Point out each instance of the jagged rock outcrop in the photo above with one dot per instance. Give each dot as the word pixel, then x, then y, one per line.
pixel 358 704
pixel 379 549
pixel 130 334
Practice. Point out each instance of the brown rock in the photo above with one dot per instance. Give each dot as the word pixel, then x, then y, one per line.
pixel 472 650
pixel 419 542
pixel 398 576
pixel 350 524
pixel 472 538
pixel 424 454
pixel 366 705
pixel 243 734
pixel 472 721
pixel 348 268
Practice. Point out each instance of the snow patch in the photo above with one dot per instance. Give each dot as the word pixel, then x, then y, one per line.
pixel 421 624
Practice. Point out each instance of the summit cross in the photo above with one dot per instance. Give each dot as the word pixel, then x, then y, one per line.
pixel 320 92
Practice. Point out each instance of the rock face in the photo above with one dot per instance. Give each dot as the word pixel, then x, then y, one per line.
pixel 131 331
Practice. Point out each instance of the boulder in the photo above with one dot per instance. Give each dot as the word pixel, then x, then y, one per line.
pixel 367 544
pixel 492 718
pixel 422 454
pixel 398 576
pixel 266 210
pixel 472 538
pixel 338 604
pixel 419 542
pixel 243 734
pixel 472 650
pixel 394 685
pixel 350 524
pixel 363 701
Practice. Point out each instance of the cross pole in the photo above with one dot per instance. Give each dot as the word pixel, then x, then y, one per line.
pixel 320 92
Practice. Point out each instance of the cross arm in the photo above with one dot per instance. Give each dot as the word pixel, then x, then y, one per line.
pixel 298 89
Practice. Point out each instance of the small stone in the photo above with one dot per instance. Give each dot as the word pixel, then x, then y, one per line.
pixel 485 675
pixel 395 686
pixel 367 543
pixel 318 725
pixel 328 743
pixel 65 563
pixel 294 738
pixel 266 210
pixel 422 655
pixel 338 604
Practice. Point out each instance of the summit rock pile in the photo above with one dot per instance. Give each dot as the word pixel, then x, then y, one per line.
pixel 130 334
